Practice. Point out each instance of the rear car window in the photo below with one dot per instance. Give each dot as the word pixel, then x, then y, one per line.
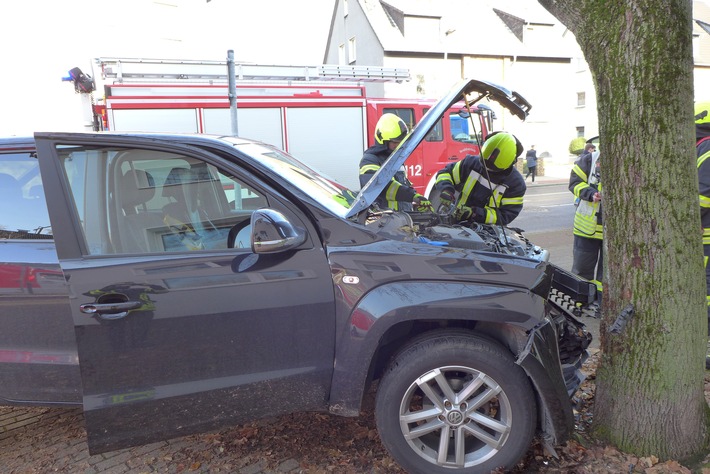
pixel 23 209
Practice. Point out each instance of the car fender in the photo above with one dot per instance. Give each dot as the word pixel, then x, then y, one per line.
pixel 380 311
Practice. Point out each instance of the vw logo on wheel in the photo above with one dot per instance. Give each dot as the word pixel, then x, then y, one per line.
pixel 455 417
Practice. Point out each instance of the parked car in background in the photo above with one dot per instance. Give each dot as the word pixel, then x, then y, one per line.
pixel 175 284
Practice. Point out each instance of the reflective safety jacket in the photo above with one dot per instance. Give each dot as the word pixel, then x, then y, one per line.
pixel 703 149
pixel 498 201
pixel 399 194
pixel 584 182
pixel 702 134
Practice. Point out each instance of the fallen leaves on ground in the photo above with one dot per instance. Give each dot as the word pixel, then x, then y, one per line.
pixel 584 455
pixel 322 443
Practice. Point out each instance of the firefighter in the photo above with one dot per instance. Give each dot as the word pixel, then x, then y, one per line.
pixel 490 190
pixel 585 184
pixel 399 194
pixel 702 136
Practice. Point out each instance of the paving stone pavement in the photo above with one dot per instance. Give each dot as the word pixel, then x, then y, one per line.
pixel 43 440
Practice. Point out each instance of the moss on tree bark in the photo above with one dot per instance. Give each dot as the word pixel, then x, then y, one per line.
pixel 649 397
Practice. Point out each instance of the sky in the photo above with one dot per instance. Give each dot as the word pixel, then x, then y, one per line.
pixel 42 39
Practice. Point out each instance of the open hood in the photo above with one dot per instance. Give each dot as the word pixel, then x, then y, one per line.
pixel 471 91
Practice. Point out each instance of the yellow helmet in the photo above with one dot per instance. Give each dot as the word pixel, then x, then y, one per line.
pixel 390 127
pixel 500 151
pixel 702 113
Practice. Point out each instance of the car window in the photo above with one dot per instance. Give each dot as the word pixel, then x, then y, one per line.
pixel 406 114
pixel 437 133
pixel 460 129
pixel 145 201
pixel 23 209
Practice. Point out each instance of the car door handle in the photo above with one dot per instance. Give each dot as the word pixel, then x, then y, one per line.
pixel 110 311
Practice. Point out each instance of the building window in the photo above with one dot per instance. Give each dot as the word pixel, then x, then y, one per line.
pixel 351 50
pixel 581 99
pixel 341 54
pixel 580 132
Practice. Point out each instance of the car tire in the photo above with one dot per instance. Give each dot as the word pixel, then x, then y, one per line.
pixel 418 403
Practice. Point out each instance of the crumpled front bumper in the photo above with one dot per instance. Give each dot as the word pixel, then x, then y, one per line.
pixel 553 358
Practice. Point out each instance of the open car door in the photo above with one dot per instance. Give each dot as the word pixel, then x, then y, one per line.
pixel 177 332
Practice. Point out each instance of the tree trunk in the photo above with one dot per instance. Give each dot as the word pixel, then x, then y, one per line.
pixel 649 390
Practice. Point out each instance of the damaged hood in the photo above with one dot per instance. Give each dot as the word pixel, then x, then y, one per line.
pixel 471 91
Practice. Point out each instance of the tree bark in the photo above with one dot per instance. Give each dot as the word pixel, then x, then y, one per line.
pixel 649 391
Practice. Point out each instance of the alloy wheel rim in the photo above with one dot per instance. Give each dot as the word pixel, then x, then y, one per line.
pixel 455 416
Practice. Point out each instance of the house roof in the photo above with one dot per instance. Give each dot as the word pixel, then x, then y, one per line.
pixel 531 12
pixel 511 28
pixel 484 27
pixel 416 7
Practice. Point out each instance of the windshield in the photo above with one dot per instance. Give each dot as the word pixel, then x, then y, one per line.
pixel 332 195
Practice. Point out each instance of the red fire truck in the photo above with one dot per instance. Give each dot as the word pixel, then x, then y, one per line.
pixel 320 115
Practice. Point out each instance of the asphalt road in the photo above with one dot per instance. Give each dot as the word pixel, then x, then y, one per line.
pixel 547 208
pixel 547 217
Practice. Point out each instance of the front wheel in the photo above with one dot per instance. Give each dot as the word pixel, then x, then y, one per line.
pixel 453 402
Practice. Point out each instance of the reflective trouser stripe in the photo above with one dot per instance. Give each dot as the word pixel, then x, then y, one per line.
pixel 491 216
pixel 511 201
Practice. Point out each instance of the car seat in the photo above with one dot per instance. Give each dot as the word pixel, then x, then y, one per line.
pixel 135 189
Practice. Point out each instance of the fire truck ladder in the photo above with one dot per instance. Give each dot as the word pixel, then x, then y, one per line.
pixel 123 70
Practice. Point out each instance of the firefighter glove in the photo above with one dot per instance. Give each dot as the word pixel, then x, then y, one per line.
pixel 422 204
pixel 464 213
pixel 447 198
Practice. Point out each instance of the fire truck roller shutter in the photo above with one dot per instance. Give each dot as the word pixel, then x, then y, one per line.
pixel 339 130
pixel 263 124
pixel 154 120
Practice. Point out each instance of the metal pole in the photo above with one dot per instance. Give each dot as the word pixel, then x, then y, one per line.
pixel 232 91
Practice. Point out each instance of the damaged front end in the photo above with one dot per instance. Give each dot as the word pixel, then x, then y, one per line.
pixel 569 298
pixel 560 336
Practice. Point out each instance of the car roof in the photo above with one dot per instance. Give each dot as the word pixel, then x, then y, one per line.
pixel 11 143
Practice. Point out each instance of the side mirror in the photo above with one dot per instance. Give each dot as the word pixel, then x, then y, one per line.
pixel 272 232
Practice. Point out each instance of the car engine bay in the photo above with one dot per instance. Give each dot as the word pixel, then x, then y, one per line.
pixel 443 230
pixel 569 293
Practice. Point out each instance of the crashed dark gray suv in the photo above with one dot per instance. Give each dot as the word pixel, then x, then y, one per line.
pixel 174 284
